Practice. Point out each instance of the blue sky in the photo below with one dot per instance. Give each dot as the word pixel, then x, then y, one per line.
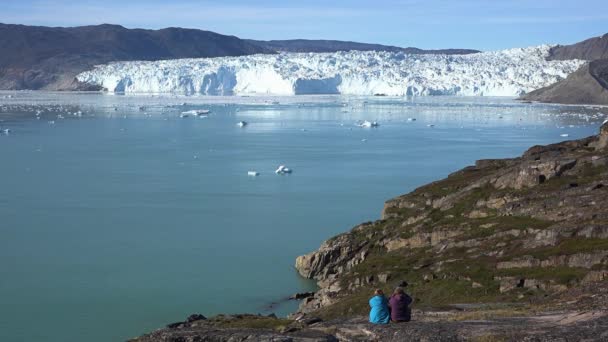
pixel 483 25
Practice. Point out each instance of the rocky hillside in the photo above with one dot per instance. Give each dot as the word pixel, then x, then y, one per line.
pixel 589 50
pixel 507 230
pixel 36 57
pixel 307 45
pixel 523 242
pixel 588 85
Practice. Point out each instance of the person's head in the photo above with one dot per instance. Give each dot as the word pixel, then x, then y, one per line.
pixel 398 291
pixel 378 292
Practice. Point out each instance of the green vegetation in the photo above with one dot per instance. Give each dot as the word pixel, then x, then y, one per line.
pixel 251 321
pixel 488 226
pixel 561 275
pixel 571 246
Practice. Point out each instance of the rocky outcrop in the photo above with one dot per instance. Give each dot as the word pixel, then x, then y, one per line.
pixel 588 85
pixel 333 257
pixel 575 315
pixel 533 223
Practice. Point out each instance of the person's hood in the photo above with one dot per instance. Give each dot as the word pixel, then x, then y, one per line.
pixel 376 300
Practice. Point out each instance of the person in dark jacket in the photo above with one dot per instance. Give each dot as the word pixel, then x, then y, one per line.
pixel 379 313
pixel 400 306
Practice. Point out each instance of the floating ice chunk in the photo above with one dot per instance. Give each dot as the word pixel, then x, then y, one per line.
pixel 411 119
pixel 184 115
pixel 368 124
pixel 197 112
pixel 430 125
pixel 253 173
pixel 564 135
pixel 282 169
pixel 242 123
pixel 52 122
pixel 6 131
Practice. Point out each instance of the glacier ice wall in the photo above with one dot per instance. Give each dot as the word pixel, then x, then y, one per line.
pixel 498 73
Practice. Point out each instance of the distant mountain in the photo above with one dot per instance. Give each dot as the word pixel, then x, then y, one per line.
pixel 36 57
pixel 588 85
pixel 305 45
pixel 590 49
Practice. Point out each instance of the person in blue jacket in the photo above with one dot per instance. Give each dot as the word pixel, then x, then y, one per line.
pixel 379 313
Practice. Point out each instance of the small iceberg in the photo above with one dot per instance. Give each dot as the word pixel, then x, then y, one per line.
pixel 411 119
pixel 430 125
pixel 196 112
pixel 282 170
pixel 6 131
pixel 242 123
pixel 253 173
pixel 368 124
pixel 184 115
pixel 564 135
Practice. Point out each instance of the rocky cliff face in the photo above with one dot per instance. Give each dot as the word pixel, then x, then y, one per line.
pixel 501 230
pixel 588 85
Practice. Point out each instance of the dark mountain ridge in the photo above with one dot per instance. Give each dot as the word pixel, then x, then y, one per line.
pixel 589 50
pixel 37 57
pixel 588 85
pixel 320 45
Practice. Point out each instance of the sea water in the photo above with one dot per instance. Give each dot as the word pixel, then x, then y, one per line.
pixel 118 216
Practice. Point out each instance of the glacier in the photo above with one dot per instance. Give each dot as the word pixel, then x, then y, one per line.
pixel 509 72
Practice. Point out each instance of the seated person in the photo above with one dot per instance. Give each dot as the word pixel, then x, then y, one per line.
pixel 379 313
pixel 400 306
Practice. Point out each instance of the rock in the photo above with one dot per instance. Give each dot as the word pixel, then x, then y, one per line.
pixel 594 276
pixel 302 295
pixel 311 320
pixel 526 261
pixel 383 277
pixel 175 325
pixel 195 317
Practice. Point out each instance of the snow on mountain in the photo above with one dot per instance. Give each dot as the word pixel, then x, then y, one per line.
pixel 499 73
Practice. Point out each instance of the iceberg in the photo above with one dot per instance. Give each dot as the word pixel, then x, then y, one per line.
pixel 509 72
pixel 369 124
pixel 282 169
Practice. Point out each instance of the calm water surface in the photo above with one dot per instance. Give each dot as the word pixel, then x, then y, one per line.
pixel 123 219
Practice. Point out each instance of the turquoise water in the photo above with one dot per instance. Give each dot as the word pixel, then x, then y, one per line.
pixel 124 219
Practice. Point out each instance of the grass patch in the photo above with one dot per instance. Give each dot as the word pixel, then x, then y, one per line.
pixel 571 246
pixel 502 223
pixel 561 275
pixel 252 322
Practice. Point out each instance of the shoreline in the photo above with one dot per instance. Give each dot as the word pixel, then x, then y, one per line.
pixel 577 310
